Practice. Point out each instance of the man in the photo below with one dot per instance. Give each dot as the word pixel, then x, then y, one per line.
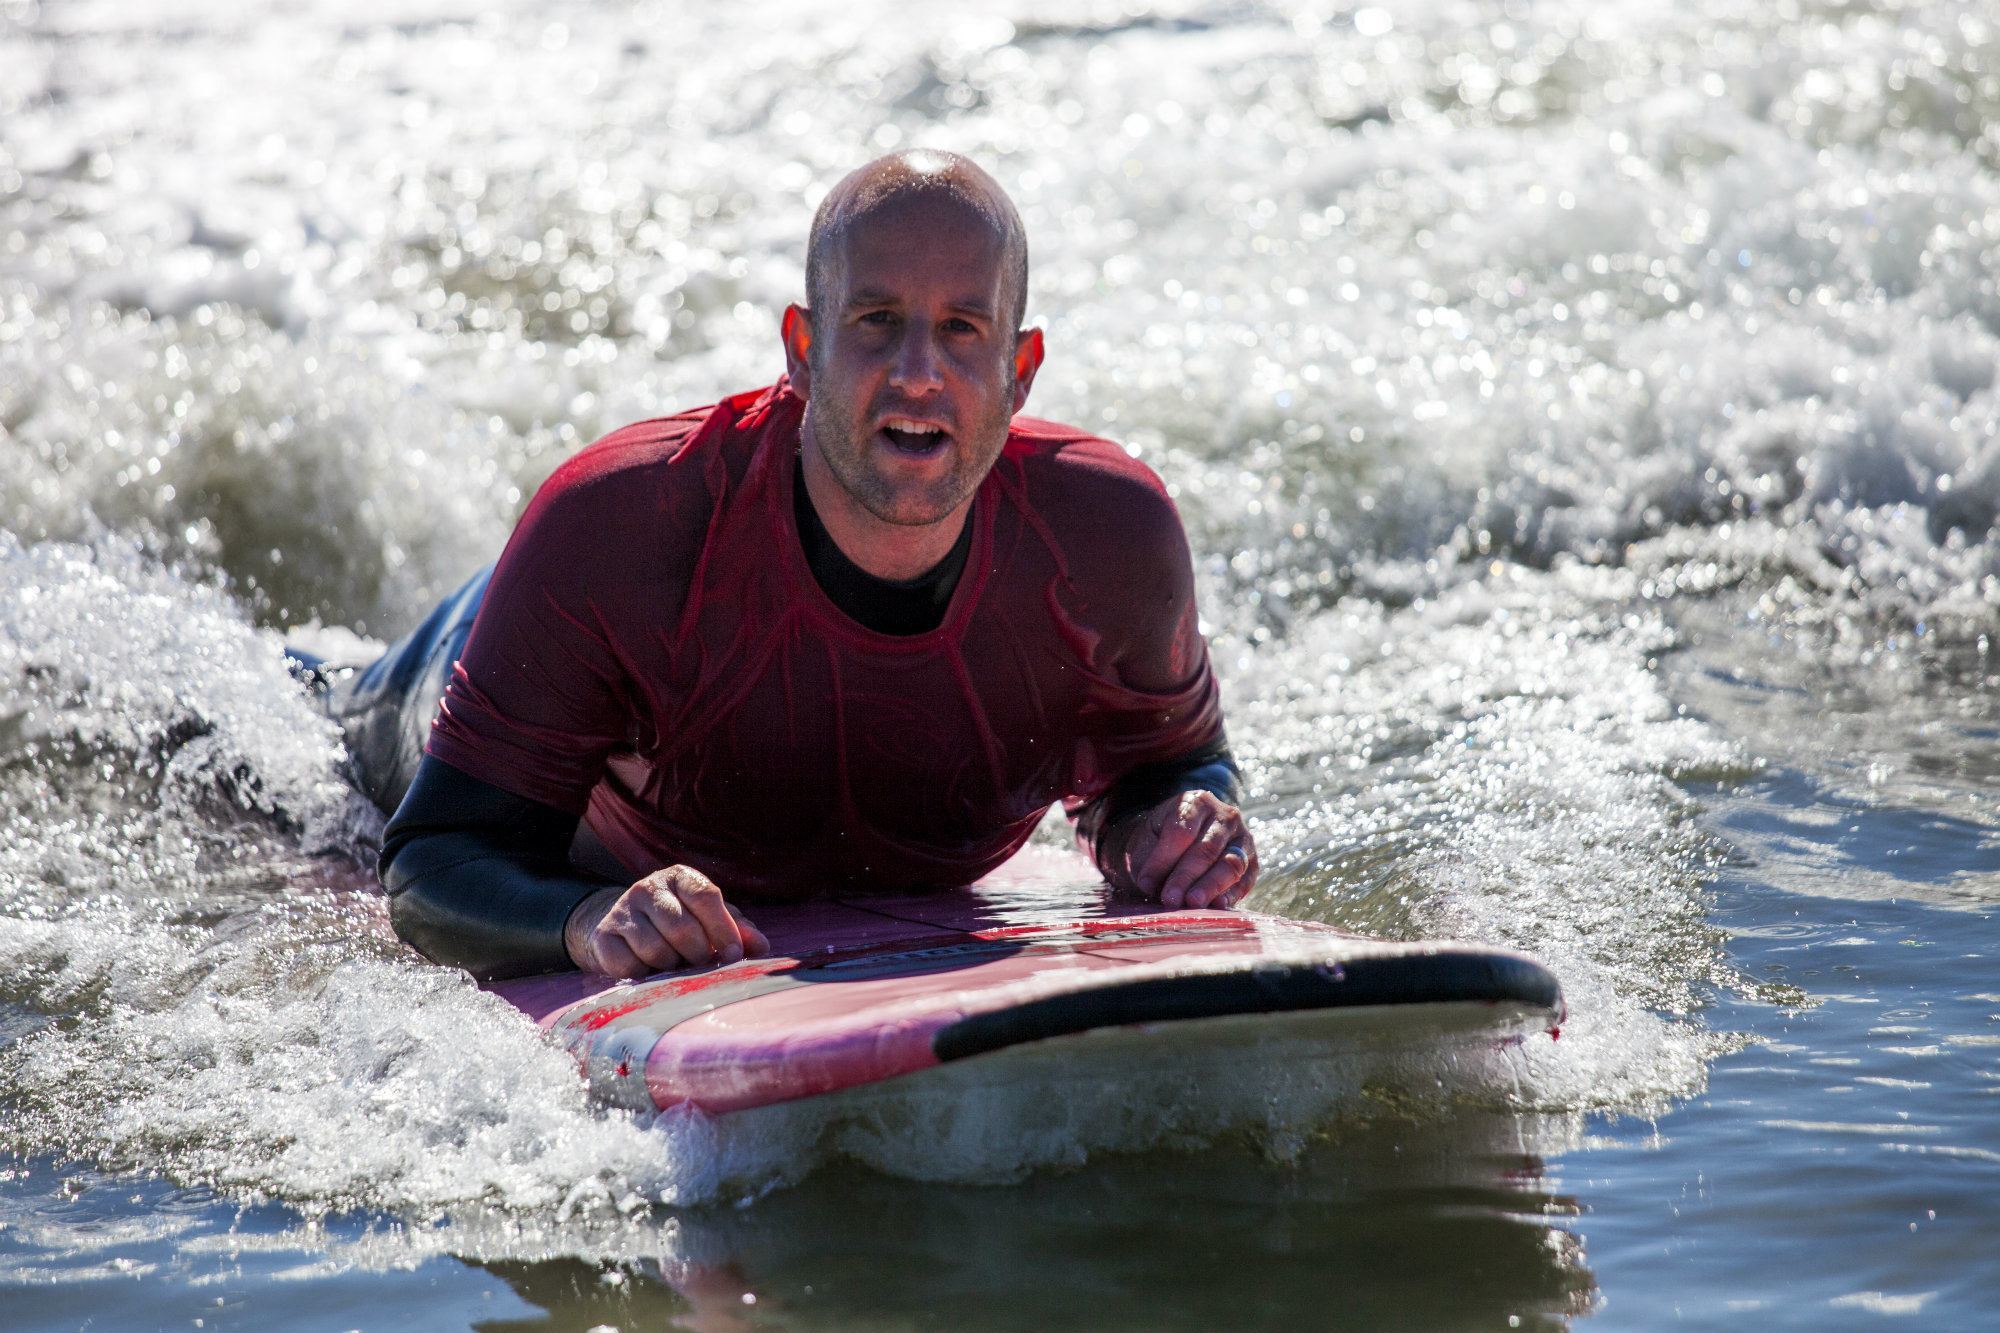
pixel 853 632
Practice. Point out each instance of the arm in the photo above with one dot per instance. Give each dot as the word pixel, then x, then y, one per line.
pixel 476 859
pixel 480 878
pixel 1167 825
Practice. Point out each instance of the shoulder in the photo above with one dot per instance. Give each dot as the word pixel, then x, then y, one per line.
pixel 1092 495
pixel 622 525
pixel 605 472
pixel 662 464
pixel 1119 550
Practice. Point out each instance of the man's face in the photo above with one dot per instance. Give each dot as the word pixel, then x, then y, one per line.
pixel 912 368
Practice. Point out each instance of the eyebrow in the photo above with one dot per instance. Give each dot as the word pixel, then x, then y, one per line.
pixel 874 297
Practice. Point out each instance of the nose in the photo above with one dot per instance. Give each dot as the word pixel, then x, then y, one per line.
pixel 918 368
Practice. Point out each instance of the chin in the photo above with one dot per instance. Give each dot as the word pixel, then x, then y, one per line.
pixel 912 513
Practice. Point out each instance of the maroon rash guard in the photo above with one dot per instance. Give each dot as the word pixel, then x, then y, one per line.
pixel 654 654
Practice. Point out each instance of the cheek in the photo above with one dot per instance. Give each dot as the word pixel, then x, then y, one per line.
pixel 829 389
pixel 852 372
pixel 984 373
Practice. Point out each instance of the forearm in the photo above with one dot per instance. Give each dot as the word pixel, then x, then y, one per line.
pixel 479 878
pixel 458 901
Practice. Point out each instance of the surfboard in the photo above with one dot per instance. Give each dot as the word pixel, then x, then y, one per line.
pixel 863 991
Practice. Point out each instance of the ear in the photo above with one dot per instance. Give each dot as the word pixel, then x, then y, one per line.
pixel 796 328
pixel 1027 360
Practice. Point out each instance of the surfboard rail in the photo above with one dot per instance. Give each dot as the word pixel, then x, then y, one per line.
pixel 861 991
pixel 1440 975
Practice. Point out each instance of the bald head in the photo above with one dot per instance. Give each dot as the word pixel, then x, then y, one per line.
pixel 920 176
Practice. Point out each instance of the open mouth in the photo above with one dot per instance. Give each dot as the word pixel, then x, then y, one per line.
pixel 918 438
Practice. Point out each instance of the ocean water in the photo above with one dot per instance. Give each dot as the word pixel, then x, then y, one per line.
pixel 1585 418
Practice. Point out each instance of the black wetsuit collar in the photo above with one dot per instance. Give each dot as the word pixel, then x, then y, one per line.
pixel 887 606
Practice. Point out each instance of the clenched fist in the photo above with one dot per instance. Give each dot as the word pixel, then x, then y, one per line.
pixel 1193 849
pixel 672 918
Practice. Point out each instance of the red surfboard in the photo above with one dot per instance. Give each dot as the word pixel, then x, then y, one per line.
pixel 863 990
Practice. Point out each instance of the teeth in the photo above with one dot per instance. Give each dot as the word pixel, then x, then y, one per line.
pixel 909 427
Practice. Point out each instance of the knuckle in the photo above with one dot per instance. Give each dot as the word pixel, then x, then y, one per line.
pixel 659 911
pixel 683 929
pixel 654 959
pixel 694 887
pixel 652 891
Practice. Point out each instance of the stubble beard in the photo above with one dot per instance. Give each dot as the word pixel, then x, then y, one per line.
pixel 975 445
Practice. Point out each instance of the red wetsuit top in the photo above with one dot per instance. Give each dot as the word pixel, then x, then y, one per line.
pixel 654 654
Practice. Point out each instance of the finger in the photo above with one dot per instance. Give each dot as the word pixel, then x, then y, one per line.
pixel 756 944
pixel 1196 863
pixel 659 945
pixel 703 902
pixel 1221 879
pixel 1241 889
pixel 1249 880
pixel 1138 845
pixel 612 957
pixel 1187 823
pixel 1167 837
pixel 660 928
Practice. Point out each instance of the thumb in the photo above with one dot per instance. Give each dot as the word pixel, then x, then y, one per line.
pixel 755 943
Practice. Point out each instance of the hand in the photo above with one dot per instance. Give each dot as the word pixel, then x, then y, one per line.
pixel 672 918
pixel 1191 850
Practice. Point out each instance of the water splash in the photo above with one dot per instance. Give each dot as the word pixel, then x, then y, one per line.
pixel 1500 763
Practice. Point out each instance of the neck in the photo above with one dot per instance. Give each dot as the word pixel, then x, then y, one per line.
pixel 887 550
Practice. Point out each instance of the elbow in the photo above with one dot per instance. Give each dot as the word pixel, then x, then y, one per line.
pixel 412 926
pixel 458 903
pixel 477 878
pixel 420 885
pixel 445 938
pixel 409 915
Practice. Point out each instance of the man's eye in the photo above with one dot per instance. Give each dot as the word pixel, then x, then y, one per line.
pixel 961 326
pixel 879 318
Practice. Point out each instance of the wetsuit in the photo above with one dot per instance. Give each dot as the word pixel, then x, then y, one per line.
pixel 673 652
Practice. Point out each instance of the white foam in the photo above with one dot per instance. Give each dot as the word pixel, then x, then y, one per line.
pixel 105 652
pixel 1499 764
